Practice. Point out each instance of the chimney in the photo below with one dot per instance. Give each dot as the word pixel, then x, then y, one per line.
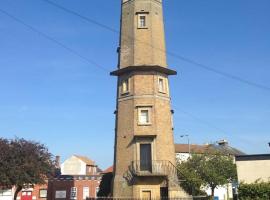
pixel 57 162
pixel 223 142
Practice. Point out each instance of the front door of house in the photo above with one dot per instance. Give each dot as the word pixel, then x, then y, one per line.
pixel 26 195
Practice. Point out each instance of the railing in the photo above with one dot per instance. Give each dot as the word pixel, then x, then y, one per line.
pixel 163 198
pixel 153 168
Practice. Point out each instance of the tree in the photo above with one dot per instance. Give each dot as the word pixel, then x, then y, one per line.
pixel 24 163
pixel 212 169
pixel 190 181
pixel 105 185
pixel 4 160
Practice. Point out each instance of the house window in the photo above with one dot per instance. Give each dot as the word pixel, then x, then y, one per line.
pixel 73 193
pixel 85 192
pixel 125 86
pixel 144 116
pixel 7 192
pixel 142 23
pixel 88 168
pixel 162 85
pixel 43 193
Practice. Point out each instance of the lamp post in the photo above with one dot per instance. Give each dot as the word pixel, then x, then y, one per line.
pixel 188 143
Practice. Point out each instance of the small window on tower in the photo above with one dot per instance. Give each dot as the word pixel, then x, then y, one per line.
pixel 162 85
pixel 142 23
pixel 144 116
pixel 125 86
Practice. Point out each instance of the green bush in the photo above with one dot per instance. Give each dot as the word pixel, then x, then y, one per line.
pixel 254 191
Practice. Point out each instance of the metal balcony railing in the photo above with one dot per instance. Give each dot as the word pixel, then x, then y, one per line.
pixel 153 168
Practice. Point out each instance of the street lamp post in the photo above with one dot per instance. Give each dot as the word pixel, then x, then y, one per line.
pixel 188 143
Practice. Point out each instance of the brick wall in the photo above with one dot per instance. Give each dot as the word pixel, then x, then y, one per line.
pixel 64 185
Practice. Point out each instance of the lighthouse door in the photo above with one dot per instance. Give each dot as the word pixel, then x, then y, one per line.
pixel 145 157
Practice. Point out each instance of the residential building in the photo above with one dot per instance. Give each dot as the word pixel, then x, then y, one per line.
pixel 80 180
pixel 38 192
pixel 252 168
pixel 79 165
pixel 184 151
pixel 73 187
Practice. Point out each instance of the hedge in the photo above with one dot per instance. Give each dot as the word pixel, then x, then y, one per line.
pixel 254 191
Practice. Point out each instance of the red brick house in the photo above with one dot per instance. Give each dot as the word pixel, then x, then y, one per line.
pixel 80 180
pixel 73 187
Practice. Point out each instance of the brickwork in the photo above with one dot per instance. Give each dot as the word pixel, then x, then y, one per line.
pixel 34 192
pixel 148 48
pixel 64 185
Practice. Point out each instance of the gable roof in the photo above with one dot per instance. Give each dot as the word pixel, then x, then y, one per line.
pixel 200 149
pixel 226 149
pixel 86 160
pixel 194 148
pixel 108 170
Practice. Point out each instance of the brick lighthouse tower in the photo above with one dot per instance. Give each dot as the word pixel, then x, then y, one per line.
pixel 144 158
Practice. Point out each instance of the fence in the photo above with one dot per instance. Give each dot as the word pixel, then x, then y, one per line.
pixel 163 198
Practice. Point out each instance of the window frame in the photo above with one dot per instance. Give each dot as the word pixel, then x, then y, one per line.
pixel 73 190
pixel 127 91
pixel 164 85
pixel 139 24
pixel 149 111
pixel 43 189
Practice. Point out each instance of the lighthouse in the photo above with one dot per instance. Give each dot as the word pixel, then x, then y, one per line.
pixel 144 154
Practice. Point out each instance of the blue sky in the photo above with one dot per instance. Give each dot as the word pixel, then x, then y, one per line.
pixel 52 96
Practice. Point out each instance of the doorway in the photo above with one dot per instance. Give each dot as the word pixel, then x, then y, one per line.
pixel 145 157
pixel 164 193
pixel 146 195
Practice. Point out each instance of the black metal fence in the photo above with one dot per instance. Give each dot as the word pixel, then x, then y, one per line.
pixel 164 198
